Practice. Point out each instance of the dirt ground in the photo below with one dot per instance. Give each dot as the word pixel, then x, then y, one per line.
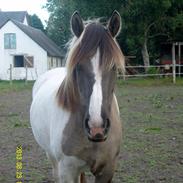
pixel 152 144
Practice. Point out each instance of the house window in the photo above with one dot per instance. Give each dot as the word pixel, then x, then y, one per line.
pixel 21 61
pixel 10 41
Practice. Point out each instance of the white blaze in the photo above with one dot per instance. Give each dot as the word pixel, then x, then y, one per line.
pixel 96 96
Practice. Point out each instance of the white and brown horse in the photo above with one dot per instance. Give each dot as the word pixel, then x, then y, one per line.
pixel 74 113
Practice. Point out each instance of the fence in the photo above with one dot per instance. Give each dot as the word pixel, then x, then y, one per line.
pixel 173 70
pixel 25 76
pixel 162 70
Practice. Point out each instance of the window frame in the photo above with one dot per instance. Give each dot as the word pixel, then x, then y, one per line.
pixel 10 41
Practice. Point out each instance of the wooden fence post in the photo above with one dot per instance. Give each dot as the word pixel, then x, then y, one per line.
pixel 26 74
pixel 124 75
pixel 174 63
pixel 10 74
pixel 179 55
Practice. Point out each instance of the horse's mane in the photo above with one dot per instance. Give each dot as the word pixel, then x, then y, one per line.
pixel 95 36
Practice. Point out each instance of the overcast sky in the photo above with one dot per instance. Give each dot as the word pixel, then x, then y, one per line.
pixel 31 6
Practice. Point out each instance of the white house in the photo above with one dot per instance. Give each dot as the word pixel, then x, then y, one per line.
pixel 26 49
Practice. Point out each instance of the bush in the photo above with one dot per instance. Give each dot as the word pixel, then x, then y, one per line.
pixel 153 70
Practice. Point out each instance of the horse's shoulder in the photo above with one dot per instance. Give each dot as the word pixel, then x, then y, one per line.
pixel 53 76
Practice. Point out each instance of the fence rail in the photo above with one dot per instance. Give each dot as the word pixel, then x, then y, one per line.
pixel 166 70
pixel 146 75
pixel 25 70
pixel 170 71
pixel 143 66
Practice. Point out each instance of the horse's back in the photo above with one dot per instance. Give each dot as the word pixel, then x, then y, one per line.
pixel 54 75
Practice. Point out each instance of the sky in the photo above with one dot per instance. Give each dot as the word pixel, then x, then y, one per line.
pixel 31 6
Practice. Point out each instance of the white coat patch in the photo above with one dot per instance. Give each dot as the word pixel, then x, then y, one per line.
pixel 96 96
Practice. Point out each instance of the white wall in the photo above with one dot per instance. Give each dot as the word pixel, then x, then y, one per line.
pixel 24 45
pixel 54 62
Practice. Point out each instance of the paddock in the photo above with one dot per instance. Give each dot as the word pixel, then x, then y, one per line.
pixel 151 149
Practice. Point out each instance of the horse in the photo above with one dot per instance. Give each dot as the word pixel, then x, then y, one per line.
pixel 74 113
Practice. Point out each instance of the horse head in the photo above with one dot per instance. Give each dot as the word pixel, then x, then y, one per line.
pixel 92 64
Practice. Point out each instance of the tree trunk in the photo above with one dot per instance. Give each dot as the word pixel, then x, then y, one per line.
pixel 145 55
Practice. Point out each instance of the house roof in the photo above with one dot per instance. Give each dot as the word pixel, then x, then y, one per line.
pixel 12 15
pixel 41 39
pixel 17 17
pixel 3 19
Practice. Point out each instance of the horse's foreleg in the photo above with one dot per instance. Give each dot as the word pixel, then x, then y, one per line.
pixel 54 168
pixel 105 175
pixel 56 172
pixel 68 173
pixel 82 178
pixel 104 178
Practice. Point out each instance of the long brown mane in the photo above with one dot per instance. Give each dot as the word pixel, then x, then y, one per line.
pixel 95 36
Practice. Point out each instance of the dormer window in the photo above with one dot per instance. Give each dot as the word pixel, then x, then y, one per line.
pixel 10 41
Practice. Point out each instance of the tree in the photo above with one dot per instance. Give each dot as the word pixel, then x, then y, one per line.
pixel 36 22
pixel 174 23
pixel 61 11
pixel 143 21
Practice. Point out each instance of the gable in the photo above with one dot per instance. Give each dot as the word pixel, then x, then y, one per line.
pixel 23 41
pixel 39 38
pixel 20 16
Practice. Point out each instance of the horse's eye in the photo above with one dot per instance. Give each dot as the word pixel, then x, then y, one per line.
pixel 78 67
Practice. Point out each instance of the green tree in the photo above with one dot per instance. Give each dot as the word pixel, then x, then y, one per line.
pixel 61 11
pixel 142 22
pixel 58 28
pixel 36 22
pixel 145 23
pixel 150 22
pixel 174 23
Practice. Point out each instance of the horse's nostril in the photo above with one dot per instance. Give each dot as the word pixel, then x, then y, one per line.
pixel 106 125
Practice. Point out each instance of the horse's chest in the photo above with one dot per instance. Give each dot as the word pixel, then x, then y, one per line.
pixel 78 145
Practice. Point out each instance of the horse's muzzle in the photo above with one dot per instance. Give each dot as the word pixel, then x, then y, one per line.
pixel 97 134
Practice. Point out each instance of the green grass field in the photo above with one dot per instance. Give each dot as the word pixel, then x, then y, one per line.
pixel 151 149
pixel 6 86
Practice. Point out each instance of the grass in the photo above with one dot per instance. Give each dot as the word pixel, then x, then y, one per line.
pixel 18 85
pixel 153 129
pixel 150 82
pixel 151 112
pixel 151 149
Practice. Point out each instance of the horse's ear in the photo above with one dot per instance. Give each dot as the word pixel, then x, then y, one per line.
pixel 114 24
pixel 77 24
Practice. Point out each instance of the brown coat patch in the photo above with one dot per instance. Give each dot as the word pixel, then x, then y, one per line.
pixel 96 155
